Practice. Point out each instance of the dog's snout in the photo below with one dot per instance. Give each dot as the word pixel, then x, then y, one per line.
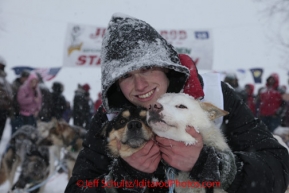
pixel 134 125
pixel 157 107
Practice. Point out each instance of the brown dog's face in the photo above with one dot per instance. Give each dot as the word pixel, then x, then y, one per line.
pixel 63 134
pixel 130 129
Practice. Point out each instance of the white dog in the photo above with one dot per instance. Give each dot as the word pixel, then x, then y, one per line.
pixel 174 112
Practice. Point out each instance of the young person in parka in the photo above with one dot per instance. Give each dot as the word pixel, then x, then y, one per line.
pixel 138 66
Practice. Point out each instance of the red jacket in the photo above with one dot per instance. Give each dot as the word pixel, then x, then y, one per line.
pixel 270 98
pixel 250 98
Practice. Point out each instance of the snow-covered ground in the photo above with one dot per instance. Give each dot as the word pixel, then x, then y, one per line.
pixel 55 184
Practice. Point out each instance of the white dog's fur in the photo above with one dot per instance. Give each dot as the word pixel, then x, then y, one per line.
pixel 174 112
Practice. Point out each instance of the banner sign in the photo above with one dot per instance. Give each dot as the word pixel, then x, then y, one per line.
pixel 83 45
pixel 257 74
pixel 46 73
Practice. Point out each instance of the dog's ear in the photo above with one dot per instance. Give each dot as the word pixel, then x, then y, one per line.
pixel 214 112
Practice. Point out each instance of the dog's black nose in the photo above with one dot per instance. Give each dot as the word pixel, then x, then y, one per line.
pixel 150 107
pixel 158 107
pixel 134 125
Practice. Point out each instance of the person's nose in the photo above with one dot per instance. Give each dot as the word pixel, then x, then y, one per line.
pixel 140 82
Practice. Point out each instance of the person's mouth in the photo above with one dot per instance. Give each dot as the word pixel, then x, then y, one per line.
pixel 146 95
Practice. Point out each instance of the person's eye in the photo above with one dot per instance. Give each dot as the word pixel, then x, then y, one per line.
pixel 125 77
pixel 146 69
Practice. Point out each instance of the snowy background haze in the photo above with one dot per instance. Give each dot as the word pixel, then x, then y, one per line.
pixel 32 33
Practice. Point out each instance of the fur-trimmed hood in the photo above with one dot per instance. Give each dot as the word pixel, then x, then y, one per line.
pixel 131 44
pixel 250 89
pixel 274 76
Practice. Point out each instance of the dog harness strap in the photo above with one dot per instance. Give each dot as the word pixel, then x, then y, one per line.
pixel 213 92
pixel 170 174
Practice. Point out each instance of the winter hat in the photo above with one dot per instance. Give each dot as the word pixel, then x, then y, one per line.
pixel 231 75
pixel 232 80
pixel 57 87
pixel 86 87
pixel 24 74
pixel 130 44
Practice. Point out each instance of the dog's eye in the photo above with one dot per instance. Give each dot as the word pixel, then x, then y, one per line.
pixel 181 106
pixel 122 121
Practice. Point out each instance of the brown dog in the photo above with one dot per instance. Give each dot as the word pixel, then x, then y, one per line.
pixel 126 133
pixel 23 151
pixel 129 129
pixel 63 135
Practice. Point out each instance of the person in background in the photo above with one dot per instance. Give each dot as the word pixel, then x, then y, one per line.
pixel 98 102
pixel 271 104
pixel 6 97
pixel 86 89
pixel 15 111
pixel 20 80
pixel 250 98
pixel 45 113
pixel 138 66
pixel 30 100
pixel 285 113
pixel 91 112
pixel 67 114
pixel 81 108
pixel 233 81
pixel 282 89
pixel 58 100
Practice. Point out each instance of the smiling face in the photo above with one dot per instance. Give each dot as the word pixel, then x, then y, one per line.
pixel 143 87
